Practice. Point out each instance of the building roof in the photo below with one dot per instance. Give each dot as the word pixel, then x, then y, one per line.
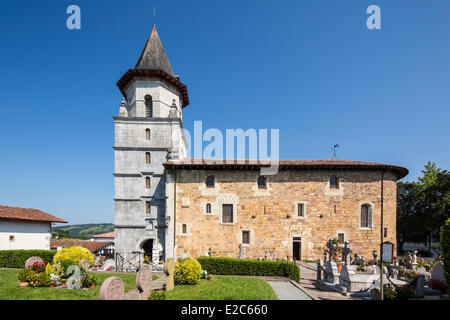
pixel 202 164
pixel 105 235
pixel 92 246
pixel 16 213
pixel 153 56
pixel 153 62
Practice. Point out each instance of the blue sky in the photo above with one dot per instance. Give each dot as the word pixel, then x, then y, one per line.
pixel 309 68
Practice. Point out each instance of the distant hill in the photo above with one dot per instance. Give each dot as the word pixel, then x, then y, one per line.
pixel 86 230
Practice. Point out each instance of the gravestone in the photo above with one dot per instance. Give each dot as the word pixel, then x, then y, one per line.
pixel 109 263
pixel 74 281
pixel 420 285
pixel 359 260
pixel 32 260
pixel 209 252
pixel 243 254
pixel 438 272
pixel 144 282
pixel 112 289
pixel 84 264
pixel 240 252
pixel 169 269
pixel 346 253
pixel 331 272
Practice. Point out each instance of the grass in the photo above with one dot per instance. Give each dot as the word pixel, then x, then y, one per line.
pixel 224 288
pixel 10 291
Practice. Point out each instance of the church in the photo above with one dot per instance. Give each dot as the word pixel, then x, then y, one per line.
pixel 170 206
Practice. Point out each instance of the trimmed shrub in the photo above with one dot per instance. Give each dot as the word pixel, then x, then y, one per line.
pixel 26 274
pixel 445 249
pixel 74 253
pixel 17 258
pixel 187 271
pixel 231 266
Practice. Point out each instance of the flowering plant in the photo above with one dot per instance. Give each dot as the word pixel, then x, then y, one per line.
pixel 38 267
pixel 438 285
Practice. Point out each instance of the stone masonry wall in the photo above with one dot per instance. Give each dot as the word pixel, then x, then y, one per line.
pixel 270 214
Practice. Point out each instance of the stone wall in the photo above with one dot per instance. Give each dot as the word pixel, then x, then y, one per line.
pixel 270 214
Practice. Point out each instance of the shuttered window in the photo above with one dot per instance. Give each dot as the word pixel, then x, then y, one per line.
pixel 208 208
pixel 148 106
pixel 301 209
pixel 227 213
pixel 366 216
pixel 246 237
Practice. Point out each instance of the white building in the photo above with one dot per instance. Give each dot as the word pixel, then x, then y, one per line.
pixel 22 228
pixel 109 236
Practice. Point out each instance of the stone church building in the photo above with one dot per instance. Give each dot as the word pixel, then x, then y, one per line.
pixel 170 206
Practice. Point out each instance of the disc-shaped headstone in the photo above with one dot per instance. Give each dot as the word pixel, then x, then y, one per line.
pixel 144 279
pixel 32 260
pixel 112 289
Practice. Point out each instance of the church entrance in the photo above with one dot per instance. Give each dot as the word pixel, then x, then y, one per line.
pixel 297 248
pixel 148 249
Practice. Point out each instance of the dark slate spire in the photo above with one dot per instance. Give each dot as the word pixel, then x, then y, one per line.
pixel 153 56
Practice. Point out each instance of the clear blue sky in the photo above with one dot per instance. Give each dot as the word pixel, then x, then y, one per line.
pixel 310 68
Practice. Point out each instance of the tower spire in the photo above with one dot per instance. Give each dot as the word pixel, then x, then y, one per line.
pixel 153 57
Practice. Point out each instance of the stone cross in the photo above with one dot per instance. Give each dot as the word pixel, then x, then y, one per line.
pixel 375 255
pixel 243 254
pixel 112 289
pixel 273 256
pixel 169 268
pixel 209 252
pixel 144 282
pixel 346 252
pixel 265 255
pixel 330 247
pixel 240 251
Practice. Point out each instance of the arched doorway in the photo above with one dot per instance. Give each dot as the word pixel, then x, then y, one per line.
pixel 147 246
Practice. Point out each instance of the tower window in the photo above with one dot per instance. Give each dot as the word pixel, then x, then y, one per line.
pixel 227 213
pixel 147 158
pixel 184 228
pixel 366 216
pixel 385 232
pixel 147 207
pixel 334 183
pixel 341 237
pixel 147 182
pixel 148 106
pixel 262 182
pixel 208 208
pixel 210 181
pixel 245 237
pixel 301 209
pixel 147 134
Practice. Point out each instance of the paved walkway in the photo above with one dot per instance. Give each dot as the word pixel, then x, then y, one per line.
pixel 285 290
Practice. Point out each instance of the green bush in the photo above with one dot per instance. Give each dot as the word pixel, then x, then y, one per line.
pixel 187 271
pixel 157 295
pixel 43 280
pixel 24 274
pixel 17 258
pixel 74 253
pixel 445 249
pixel 88 280
pixel 230 266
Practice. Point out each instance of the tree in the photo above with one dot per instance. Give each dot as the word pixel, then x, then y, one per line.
pixel 423 206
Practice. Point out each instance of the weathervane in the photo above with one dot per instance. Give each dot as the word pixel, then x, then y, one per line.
pixel 334 151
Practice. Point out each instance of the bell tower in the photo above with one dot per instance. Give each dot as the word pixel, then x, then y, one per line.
pixel 148 132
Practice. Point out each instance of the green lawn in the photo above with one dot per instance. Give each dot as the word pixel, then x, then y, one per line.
pixel 224 288
pixel 10 291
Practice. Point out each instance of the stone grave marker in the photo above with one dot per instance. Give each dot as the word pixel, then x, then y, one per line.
pixel 84 264
pixel 109 263
pixel 169 269
pixel 32 260
pixel 438 272
pixel 74 281
pixel 144 282
pixel 112 289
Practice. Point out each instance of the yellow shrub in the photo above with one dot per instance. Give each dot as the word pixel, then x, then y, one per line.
pixel 48 269
pixel 187 271
pixel 73 253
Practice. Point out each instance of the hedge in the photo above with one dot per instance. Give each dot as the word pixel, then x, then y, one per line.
pixel 230 266
pixel 17 258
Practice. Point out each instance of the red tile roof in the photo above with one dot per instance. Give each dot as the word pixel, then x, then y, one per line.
pixel 92 246
pixel 16 213
pixel 284 165
pixel 105 235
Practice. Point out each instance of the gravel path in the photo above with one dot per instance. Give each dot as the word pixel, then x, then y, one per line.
pixel 287 291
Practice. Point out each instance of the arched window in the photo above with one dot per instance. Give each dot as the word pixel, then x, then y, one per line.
pixel 262 182
pixel 147 158
pixel 334 182
pixel 148 106
pixel 147 182
pixel 366 216
pixel 147 207
pixel 208 208
pixel 210 181
pixel 147 134
pixel 184 228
